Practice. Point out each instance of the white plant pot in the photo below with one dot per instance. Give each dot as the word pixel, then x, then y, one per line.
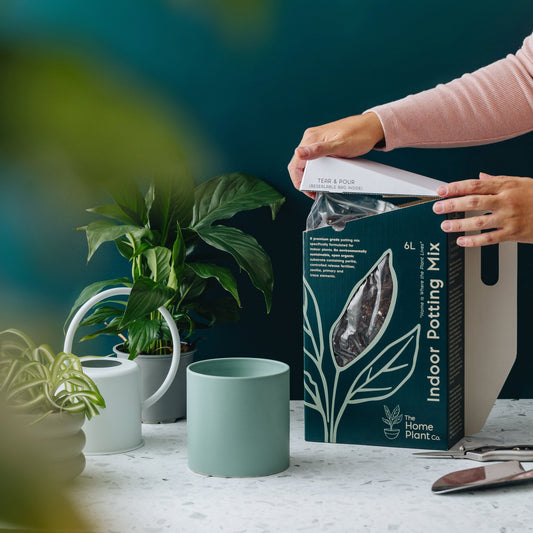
pixel 60 439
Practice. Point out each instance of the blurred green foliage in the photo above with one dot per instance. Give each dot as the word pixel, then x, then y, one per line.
pixel 66 117
pixel 234 19
pixel 73 123
pixel 67 113
pixel 30 499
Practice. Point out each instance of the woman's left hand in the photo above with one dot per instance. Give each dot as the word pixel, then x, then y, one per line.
pixel 505 202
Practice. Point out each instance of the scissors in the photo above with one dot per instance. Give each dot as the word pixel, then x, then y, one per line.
pixel 484 452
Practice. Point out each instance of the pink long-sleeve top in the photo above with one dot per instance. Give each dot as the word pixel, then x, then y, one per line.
pixel 489 105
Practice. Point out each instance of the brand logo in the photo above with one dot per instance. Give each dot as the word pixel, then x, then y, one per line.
pixel 392 419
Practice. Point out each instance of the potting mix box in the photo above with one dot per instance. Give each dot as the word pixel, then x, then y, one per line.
pixel 388 315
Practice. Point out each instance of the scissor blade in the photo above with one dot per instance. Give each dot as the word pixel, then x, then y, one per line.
pixel 516 452
pixel 459 449
pixel 454 454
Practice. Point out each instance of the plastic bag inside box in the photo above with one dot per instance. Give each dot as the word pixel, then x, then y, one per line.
pixel 336 209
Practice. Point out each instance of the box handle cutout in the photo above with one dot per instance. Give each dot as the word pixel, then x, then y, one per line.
pixel 490 263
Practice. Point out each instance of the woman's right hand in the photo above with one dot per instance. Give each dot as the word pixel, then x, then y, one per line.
pixel 348 137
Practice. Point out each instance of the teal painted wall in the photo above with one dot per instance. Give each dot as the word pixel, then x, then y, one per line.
pixel 248 90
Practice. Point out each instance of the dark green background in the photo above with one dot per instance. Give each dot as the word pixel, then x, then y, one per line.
pixel 250 79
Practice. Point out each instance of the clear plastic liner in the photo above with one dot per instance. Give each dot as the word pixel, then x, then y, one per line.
pixel 364 315
pixel 336 209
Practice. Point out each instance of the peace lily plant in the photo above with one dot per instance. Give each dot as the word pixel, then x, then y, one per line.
pixel 178 251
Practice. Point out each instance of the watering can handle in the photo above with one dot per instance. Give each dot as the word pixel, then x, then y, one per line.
pixel 176 346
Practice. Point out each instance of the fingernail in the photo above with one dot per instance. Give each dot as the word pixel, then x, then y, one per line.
pixel 437 207
pixel 442 190
pixel 483 176
pixel 461 241
pixel 446 225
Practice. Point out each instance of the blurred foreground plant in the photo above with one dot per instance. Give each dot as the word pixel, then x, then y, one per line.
pixel 34 380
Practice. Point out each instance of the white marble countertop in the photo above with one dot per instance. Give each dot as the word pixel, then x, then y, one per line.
pixel 328 488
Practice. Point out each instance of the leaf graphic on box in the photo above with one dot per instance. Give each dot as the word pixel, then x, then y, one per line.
pixel 396 416
pixel 366 314
pixel 383 376
pixel 315 397
pixel 393 418
pixel 312 324
pixel 388 371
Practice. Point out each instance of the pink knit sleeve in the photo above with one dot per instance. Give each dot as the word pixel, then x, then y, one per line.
pixel 491 104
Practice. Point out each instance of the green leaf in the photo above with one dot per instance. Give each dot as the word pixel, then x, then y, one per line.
pixel 146 296
pixel 125 248
pixel 142 333
pixel 149 197
pixel 45 382
pixel 113 212
pixel 178 263
pixel 102 315
pixel 191 289
pixel 179 253
pixel 222 197
pixel 171 203
pixel 249 255
pixel 114 328
pixel 92 290
pixel 131 202
pixel 184 323
pixel 139 241
pixel 101 231
pixel 221 274
pixel 23 342
pixel 158 259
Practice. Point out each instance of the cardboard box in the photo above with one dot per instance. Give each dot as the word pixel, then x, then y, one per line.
pixel 386 322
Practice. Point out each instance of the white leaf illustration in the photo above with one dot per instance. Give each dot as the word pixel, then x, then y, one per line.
pixel 316 397
pixel 388 372
pixel 383 376
pixel 312 325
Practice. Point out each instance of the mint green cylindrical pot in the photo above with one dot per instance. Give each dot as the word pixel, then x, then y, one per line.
pixel 238 417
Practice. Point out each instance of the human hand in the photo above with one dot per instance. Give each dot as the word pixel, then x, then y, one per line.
pixel 506 200
pixel 348 137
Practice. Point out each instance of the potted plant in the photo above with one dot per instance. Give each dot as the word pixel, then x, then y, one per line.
pixel 178 251
pixel 52 395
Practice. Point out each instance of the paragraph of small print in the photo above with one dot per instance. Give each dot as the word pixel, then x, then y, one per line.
pixel 329 257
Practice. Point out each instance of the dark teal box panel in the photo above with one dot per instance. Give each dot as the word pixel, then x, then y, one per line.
pixel 384 332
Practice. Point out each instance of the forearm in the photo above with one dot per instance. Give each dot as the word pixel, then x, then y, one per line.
pixel 491 104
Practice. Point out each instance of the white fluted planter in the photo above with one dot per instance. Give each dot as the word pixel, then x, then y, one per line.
pixel 60 439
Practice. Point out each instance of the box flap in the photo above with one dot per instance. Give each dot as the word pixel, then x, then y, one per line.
pixel 490 332
pixel 331 174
